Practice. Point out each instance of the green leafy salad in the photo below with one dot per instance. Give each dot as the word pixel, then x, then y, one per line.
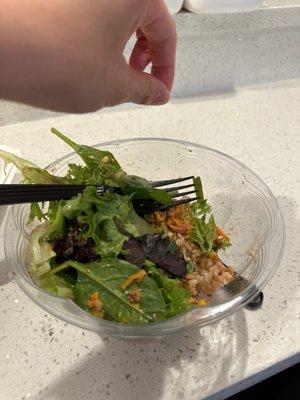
pixel 113 261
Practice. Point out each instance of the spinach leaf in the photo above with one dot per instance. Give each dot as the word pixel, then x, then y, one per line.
pixel 124 211
pixel 93 158
pixel 106 278
pixel 57 285
pixel 176 297
pixel 140 188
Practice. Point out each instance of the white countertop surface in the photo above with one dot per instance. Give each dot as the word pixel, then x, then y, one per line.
pixel 42 358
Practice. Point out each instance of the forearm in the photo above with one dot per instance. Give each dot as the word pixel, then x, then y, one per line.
pixel 35 55
pixel 67 55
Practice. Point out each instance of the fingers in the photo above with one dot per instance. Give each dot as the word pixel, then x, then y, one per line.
pixel 140 56
pixel 160 32
pixel 143 88
pixel 156 44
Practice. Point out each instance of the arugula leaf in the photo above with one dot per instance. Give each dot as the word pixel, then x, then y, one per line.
pixel 93 158
pixel 204 233
pixel 31 172
pixel 221 245
pixel 140 188
pixel 35 212
pixel 78 173
pixel 106 277
pixel 176 297
pixel 201 206
pixel 56 224
pixel 191 266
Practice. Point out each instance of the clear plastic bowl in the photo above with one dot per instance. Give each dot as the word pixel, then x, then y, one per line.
pixel 242 203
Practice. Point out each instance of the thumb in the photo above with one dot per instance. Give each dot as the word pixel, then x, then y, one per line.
pixel 143 88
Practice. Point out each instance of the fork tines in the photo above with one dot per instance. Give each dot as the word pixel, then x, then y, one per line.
pixel 174 191
pixel 170 181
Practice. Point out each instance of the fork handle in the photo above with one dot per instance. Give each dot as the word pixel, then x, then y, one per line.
pixel 19 193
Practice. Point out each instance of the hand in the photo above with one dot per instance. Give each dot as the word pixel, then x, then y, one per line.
pixel 67 55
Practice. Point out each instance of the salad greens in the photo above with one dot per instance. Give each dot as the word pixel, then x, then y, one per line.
pixel 204 231
pixel 176 297
pixel 106 277
pixel 96 249
pixel 97 216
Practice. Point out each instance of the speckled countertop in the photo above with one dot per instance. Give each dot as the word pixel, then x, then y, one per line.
pixel 42 358
pixel 256 120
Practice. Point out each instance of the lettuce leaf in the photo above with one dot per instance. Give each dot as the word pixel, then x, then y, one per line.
pixel 39 254
pixel 97 214
pixel 31 172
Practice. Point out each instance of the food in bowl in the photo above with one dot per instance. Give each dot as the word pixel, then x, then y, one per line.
pixel 114 263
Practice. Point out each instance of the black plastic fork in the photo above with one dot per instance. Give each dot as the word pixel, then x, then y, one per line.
pixel 24 193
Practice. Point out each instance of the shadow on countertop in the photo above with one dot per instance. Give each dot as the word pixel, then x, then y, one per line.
pixel 189 366
pixel 181 366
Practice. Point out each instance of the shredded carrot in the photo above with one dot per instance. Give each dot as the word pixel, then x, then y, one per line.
pixel 172 220
pixel 176 220
pixel 136 277
pixel 158 216
pixel 189 276
pixel 200 302
pixel 213 255
pixel 221 233
pixel 183 229
pixel 94 302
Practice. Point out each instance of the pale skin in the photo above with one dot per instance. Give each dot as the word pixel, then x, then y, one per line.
pixel 67 55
